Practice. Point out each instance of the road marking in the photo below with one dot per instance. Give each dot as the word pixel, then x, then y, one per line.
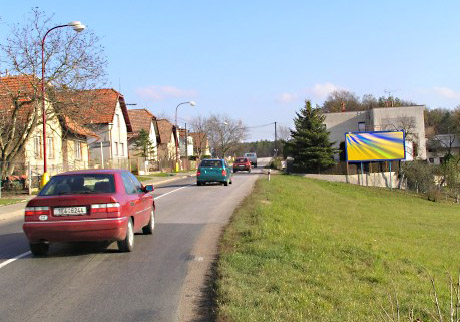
pixel 156 198
pixel 13 259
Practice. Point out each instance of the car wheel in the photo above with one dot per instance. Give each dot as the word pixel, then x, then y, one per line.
pixel 127 244
pixel 148 229
pixel 231 182
pixel 40 249
pixel 255 165
pixel 249 170
pixel 225 183
pixel 234 171
pixel 198 183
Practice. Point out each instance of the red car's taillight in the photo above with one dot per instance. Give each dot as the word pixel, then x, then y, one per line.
pixel 106 207
pixel 32 211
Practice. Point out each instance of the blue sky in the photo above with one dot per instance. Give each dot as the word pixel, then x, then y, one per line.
pixel 259 60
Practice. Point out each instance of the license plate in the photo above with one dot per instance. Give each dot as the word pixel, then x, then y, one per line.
pixel 241 165
pixel 70 211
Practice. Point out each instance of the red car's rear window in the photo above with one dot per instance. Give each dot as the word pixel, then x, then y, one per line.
pixel 241 160
pixel 79 184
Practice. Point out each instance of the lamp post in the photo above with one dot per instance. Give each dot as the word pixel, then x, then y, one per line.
pixel 77 26
pixel 177 167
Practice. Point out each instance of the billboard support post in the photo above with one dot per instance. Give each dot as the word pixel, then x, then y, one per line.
pixel 362 174
pixel 348 180
pixel 391 183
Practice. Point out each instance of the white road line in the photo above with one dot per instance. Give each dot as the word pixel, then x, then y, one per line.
pixel 156 198
pixel 13 259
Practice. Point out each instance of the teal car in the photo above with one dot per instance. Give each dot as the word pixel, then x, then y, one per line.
pixel 214 170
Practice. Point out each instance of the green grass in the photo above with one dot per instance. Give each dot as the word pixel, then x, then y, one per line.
pixel 307 250
pixel 4 202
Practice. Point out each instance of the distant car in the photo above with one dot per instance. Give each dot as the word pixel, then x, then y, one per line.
pixel 89 205
pixel 213 170
pixel 242 164
pixel 252 157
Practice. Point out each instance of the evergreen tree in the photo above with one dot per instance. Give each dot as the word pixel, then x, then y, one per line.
pixel 143 144
pixel 310 146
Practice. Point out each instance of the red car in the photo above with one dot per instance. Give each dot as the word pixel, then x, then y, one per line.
pixel 242 164
pixel 89 205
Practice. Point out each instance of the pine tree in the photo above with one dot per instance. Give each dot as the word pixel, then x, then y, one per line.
pixel 310 146
pixel 143 144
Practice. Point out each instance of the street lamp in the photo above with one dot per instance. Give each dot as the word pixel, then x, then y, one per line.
pixel 77 26
pixel 177 167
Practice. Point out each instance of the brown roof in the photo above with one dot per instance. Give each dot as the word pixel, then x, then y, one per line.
pixel 165 129
pixel 140 119
pixel 199 139
pixel 102 101
pixel 22 89
pixel 75 128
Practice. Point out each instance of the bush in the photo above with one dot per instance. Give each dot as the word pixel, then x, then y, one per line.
pixel 419 175
pixel 275 163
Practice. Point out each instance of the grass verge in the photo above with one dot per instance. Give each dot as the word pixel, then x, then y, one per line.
pixel 307 250
pixel 4 202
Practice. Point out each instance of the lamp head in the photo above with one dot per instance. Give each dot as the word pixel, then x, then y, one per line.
pixel 76 25
pixel 192 103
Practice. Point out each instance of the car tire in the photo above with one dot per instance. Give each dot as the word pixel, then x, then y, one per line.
pixel 249 171
pixel 148 229
pixel 225 183
pixel 198 183
pixel 231 181
pixel 40 249
pixel 234 171
pixel 127 244
pixel 255 165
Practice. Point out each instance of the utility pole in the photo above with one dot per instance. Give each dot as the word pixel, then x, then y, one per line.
pixel 276 142
pixel 186 148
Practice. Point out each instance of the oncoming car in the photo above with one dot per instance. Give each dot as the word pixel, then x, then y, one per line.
pixel 252 157
pixel 89 205
pixel 214 170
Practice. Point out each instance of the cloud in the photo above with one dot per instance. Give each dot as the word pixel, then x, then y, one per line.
pixel 323 90
pixel 287 97
pixel 318 92
pixel 446 92
pixel 159 93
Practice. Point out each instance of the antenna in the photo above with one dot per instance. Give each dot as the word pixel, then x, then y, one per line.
pixel 389 91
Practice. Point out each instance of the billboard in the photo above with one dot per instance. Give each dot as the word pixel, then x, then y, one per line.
pixel 375 146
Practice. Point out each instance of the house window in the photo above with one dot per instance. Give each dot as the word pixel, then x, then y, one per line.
pixel 50 147
pixel 77 150
pixel 118 125
pixel 38 147
pixel 116 148
pixel 361 126
pixel 122 151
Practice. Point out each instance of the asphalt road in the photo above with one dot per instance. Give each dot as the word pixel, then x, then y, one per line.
pixel 93 282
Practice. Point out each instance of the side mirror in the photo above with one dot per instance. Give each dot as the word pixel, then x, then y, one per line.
pixel 148 188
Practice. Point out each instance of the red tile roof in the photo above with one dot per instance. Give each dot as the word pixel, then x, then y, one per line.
pixel 24 89
pixel 165 129
pixel 140 119
pixel 102 103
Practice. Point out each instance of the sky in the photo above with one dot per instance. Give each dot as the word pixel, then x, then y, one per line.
pixel 258 61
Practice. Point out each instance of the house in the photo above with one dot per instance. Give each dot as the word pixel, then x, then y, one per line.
pixel 185 143
pixel 21 125
pixel 75 149
pixel 407 118
pixel 142 119
pixel 166 140
pixel 106 116
pixel 200 144
pixel 441 145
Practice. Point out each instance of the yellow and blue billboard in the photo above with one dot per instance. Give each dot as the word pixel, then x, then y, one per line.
pixel 375 146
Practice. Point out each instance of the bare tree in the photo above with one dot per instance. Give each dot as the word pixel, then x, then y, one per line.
pixel 284 133
pixel 73 62
pixel 224 133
